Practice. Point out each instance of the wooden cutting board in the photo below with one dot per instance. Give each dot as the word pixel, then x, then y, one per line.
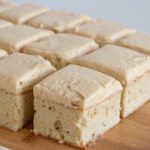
pixel 133 133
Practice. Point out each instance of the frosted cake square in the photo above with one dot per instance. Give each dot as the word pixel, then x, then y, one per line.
pixel 61 48
pixel 18 74
pixel 58 20
pixel 75 105
pixel 131 68
pixel 103 31
pixel 14 38
pixel 139 42
pixel 22 13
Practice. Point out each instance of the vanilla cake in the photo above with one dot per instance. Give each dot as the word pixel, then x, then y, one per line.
pixel 13 38
pixel 103 31
pixel 61 48
pixel 5 5
pixel 139 42
pixel 18 74
pixel 3 53
pixel 58 20
pixel 73 113
pixel 22 13
pixel 131 68
pixel 4 23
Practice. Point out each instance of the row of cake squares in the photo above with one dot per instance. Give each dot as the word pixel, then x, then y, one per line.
pixel 59 48
pixel 102 31
pixel 77 103
pixel 74 104
pixel 63 107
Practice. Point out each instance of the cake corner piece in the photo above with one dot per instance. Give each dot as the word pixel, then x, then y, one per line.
pixel 73 113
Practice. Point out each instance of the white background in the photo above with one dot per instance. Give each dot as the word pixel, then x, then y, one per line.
pixel 134 13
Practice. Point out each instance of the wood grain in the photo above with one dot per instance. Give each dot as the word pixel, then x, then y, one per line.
pixel 133 133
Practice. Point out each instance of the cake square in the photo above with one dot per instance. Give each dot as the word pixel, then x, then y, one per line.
pixel 22 13
pixel 61 48
pixel 22 71
pixel 139 42
pixel 72 112
pixel 131 68
pixel 4 5
pixel 13 38
pixel 3 53
pixel 58 20
pixel 18 74
pixel 4 23
pixel 103 31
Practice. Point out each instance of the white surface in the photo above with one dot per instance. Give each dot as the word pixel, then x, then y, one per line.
pixel 3 148
pixel 134 13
